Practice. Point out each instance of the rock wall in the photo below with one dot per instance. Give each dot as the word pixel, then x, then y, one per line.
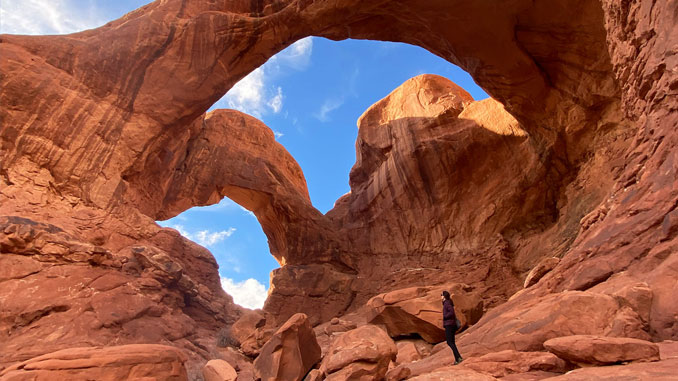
pixel 104 132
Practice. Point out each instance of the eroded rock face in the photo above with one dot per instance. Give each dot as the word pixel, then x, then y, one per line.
pixel 503 363
pixel 595 350
pixel 136 361
pixel 527 323
pixel 575 157
pixel 418 310
pixel 363 352
pixel 290 353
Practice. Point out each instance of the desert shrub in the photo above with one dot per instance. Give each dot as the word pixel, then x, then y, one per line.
pixel 225 339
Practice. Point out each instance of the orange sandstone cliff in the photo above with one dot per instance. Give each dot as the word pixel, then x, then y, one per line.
pixel 103 132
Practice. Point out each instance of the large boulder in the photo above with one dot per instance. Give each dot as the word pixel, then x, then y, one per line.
pixel 250 332
pixel 363 352
pixel 290 353
pixel 124 362
pixel 218 370
pixel 418 310
pixel 587 350
pixel 453 374
pixel 241 363
pixel 664 370
pixel 503 363
pixel 524 324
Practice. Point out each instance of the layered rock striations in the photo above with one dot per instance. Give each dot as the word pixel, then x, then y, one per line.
pixel 103 132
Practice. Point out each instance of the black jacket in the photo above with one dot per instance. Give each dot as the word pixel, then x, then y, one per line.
pixel 449 317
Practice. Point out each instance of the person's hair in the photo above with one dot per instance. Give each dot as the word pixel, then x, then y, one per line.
pixel 447 295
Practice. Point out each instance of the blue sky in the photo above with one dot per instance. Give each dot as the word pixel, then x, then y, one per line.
pixel 310 95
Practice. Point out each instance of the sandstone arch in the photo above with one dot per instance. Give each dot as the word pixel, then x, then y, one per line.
pixel 96 125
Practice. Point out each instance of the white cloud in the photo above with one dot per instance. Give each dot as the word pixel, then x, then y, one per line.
pixel 255 94
pixel 208 238
pixel 48 16
pixel 327 107
pixel 249 293
pixel 204 237
pixel 275 103
pixel 297 55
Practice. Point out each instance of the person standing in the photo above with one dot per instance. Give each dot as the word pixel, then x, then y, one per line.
pixel 450 325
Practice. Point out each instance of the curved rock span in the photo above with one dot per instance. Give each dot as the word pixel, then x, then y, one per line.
pixel 104 131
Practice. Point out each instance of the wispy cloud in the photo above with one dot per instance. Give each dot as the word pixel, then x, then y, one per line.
pixel 48 16
pixel 255 94
pixel 297 55
pixel 204 237
pixel 250 96
pixel 249 293
pixel 327 107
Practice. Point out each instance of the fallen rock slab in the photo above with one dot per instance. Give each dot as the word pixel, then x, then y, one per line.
pixel 453 373
pixel 407 352
pixel 362 352
pixel 290 353
pixel 501 364
pixel 664 370
pixel 586 350
pixel 527 323
pixel 219 370
pixel 124 362
pixel 541 269
pixel 668 349
pixel 418 310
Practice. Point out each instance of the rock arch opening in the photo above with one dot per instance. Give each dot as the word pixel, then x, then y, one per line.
pixel 321 140
pixel 101 128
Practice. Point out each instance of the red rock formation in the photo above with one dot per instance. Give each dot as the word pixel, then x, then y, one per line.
pixel 219 370
pixel 503 363
pixel 662 370
pixel 595 350
pixel 418 310
pixel 125 362
pixel 362 353
pixel 103 132
pixel 290 353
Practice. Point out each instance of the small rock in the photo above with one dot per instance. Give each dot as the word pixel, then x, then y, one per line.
pixel 542 268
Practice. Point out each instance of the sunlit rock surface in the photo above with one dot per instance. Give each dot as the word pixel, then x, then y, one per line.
pixel 103 132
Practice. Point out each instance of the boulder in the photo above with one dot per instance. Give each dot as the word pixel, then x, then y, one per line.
pixel 124 362
pixel 219 370
pixel 407 352
pixel 525 323
pixel 241 363
pixel 453 373
pixel 503 363
pixel 664 370
pixel 586 350
pixel 327 332
pixel 541 269
pixel 438 359
pixel 314 375
pixel 418 310
pixel 365 351
pixel 251 332
pixel 290 353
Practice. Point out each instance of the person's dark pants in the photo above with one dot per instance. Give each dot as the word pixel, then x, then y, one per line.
pixel 449 335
